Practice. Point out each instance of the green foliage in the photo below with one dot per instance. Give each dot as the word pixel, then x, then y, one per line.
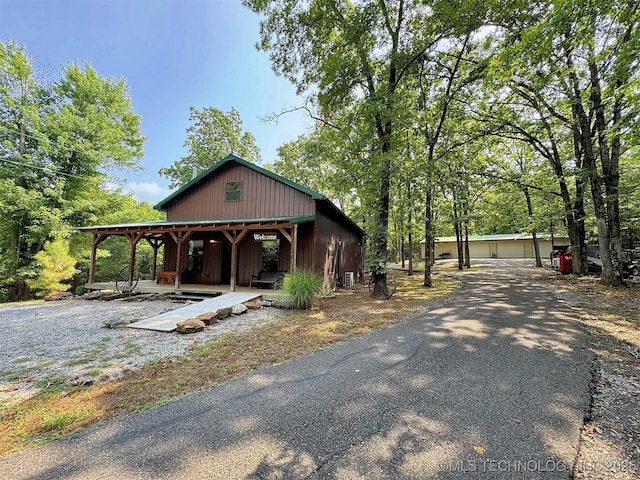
pixel 376 267
pixel 213 135
pixel 114 208
pixel 301 287
pixel 57 265
pixel 57 140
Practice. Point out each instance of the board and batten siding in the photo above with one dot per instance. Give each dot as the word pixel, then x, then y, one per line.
pixel 350 251
pixel 262 197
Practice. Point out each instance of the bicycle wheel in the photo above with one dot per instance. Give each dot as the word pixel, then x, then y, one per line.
pixel 390 286
pixel 122 281
pixel 371 285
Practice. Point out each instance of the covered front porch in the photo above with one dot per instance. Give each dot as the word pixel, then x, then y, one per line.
pixel 202 254
pixel 186 289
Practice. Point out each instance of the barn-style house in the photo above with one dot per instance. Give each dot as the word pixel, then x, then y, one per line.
pixel 236 220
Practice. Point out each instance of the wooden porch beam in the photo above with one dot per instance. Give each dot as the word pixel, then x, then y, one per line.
pixel 285 234
pixel 133 243
pixel 155 243
pixel 234 238
pixel 98 238
pixel 228 235
pixel 183 237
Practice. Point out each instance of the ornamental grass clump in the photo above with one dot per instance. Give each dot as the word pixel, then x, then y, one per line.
pixel 301 287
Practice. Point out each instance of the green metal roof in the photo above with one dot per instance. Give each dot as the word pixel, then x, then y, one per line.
pixel 497 237
pixel 160 224
pixel 232 158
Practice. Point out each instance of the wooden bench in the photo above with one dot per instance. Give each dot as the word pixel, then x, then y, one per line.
pixel 266 279
pixel 167 277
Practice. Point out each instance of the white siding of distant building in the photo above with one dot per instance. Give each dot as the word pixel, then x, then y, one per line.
pixel 500 248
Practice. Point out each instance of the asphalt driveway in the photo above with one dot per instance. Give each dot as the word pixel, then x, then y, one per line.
pixel 493 384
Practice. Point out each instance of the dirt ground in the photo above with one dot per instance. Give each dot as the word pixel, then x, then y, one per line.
pixel 610 440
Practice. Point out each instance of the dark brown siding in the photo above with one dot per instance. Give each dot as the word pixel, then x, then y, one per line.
pixel 349 253
pixel 306 248
pixel 262 196
pixel 170 247
pixel 248 260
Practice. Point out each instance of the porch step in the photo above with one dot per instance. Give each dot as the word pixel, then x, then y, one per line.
pixel 195 294
pixel 195 298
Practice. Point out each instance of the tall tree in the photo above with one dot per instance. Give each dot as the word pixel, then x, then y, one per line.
pixel 320 161
pixel 353 53
pixel 522 115
pixel 213 135
pixel 92 129
pixel 58 141
pixel 581 62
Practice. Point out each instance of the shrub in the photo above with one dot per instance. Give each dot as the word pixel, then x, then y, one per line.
pixel 301 287
pixel 57 266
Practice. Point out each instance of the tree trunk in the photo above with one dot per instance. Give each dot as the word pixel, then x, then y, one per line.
pixel 574 213
pixel 532 229
pixel 467 254
pixel 613 274
pixel 458 230
pixel 410 231
pixel 428 235
pixel 611 261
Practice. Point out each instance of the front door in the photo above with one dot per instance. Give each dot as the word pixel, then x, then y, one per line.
pixel 225 263
pixel 195 265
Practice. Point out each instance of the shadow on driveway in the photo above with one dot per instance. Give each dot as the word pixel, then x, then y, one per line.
pixel 493 384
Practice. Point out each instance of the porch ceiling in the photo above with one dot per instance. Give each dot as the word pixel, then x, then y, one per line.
pixel 158 229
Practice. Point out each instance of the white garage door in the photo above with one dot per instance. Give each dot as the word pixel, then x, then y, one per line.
pixel 511 249
pixel 479 250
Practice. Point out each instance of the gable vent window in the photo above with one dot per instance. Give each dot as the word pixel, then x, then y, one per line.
pixel 233 192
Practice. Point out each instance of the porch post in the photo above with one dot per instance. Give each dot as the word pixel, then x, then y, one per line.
pixel 180 239
pixel 234 265
pixel 133 240
pixel 98 238
pixel 155 244
pixel 178 259
pixel 234 238
pixel 132 261
pixel 294 248
pixel 92 263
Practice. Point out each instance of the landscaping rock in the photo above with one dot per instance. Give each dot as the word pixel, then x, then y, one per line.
pixel 190 326
pixel 97 295
pixel 58 296
pixel 239 309
pixel 224 313
pixel 209 318
pixel 253 304
pixel 120 323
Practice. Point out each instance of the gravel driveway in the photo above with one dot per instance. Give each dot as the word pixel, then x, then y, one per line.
pixel 66 341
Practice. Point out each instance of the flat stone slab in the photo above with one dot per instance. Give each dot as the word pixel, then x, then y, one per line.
pixel 166 322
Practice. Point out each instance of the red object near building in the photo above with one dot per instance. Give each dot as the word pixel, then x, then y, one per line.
pixel 565 262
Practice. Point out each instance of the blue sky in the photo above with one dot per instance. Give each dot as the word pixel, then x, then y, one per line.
pixel 173 54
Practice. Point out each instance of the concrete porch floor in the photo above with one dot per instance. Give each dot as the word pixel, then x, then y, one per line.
pixel 150 286
pixel 166 322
